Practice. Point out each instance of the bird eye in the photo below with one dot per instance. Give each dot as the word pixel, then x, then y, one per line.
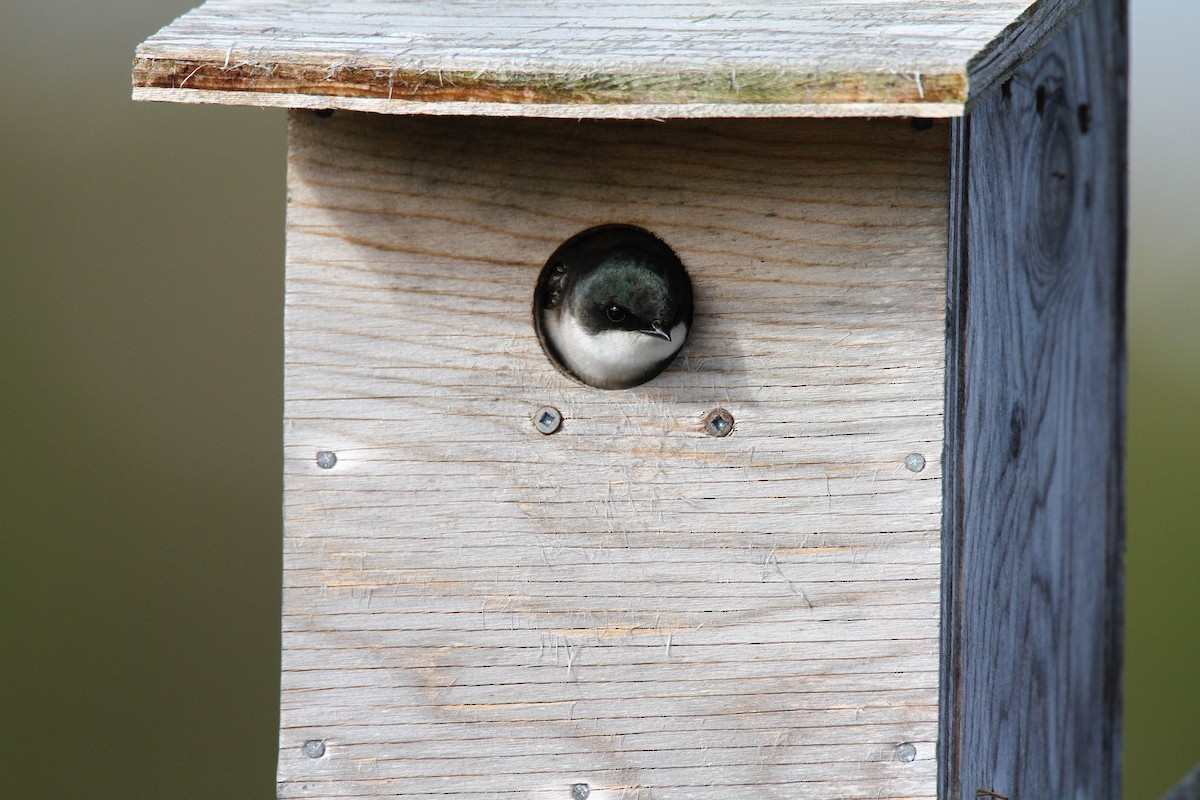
pixel 616 313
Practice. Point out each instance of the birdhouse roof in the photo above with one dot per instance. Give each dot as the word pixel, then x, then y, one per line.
pixel 582 58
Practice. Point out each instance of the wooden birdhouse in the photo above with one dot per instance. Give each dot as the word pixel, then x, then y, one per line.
pixel 859 537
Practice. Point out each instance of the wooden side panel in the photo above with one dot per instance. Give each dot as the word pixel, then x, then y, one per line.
pixel 473 609
pixel 1035 428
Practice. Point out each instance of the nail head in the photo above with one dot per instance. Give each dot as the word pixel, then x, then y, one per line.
pixel 326 459
pixel 580 791
pixel 314 748
pixel 906 752
pixel 915 462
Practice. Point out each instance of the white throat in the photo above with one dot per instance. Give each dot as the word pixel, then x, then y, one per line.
pixel 610 357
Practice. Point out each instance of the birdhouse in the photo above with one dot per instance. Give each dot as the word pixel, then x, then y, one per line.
pixel 693 401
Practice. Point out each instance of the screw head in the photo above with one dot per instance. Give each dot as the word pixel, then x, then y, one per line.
pixel 906 752
pixel 547 420
pixel 580 791
pixel 915 462
pixel 718 423
pixel 314 748
pixel 326 459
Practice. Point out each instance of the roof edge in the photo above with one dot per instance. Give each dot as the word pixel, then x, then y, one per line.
pixel 1017 43
pixel 671 93
pixel 627 111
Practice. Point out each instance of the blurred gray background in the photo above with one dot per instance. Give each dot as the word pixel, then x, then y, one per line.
pixel 140 412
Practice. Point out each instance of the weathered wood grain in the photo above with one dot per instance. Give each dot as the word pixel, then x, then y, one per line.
pixel 1019 42
pixel 625 111
pixel 1032 608
pixel 581 59
pixel 474 609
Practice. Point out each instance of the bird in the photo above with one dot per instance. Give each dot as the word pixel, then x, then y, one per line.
pixel 613 306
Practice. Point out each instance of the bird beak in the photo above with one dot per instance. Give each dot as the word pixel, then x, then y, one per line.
pixel 657 330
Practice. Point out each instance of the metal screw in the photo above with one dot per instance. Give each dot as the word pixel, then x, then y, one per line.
pixel 580 791
pixel 547 420
pixel 718 423
pixel 326 459
pixel 915 462
pixel 314 748
pixel 906 752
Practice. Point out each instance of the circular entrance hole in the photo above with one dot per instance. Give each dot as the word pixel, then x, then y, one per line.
pixel 613 306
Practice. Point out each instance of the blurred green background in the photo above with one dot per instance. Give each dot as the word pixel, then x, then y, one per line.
pixel 141 295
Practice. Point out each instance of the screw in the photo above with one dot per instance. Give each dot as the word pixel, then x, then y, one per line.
pixel 718 423
pixel 326 459
pixel 906 752
pixel 915 462
pixel 580 791
pixel 314 748
pixel 547 420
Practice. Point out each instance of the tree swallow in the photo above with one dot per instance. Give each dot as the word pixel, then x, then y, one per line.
pixel 613 306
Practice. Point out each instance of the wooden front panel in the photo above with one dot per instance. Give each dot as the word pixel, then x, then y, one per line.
pixel 474 609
